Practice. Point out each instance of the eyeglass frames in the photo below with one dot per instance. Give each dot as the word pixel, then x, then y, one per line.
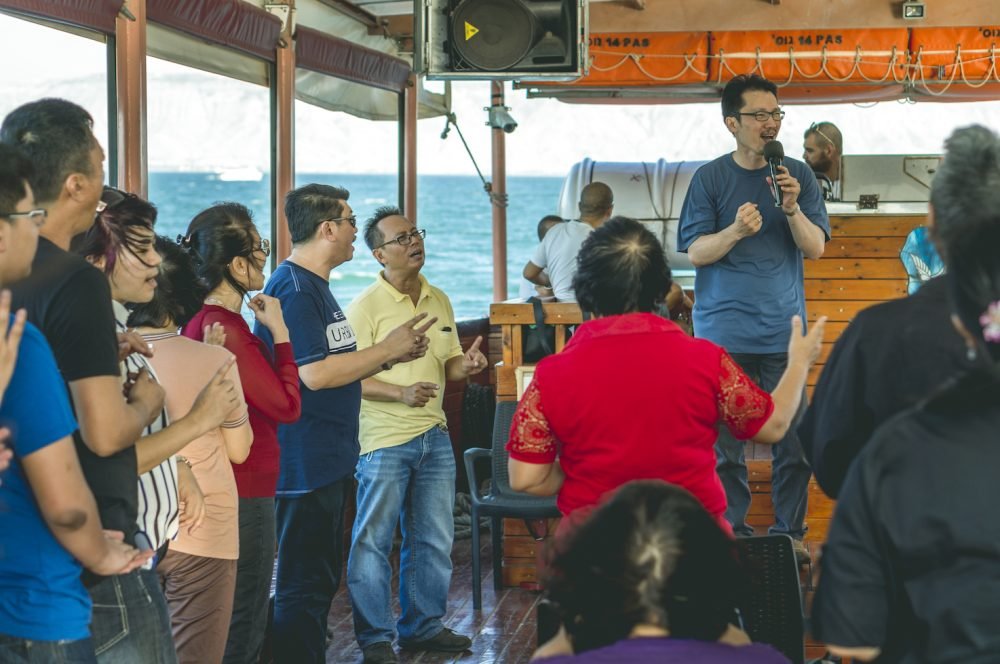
pixel 762 116
pixel 814 127
pixel 38 216
pixel 264 246
pixel 406 239
pixel 352 220
pixel 111 197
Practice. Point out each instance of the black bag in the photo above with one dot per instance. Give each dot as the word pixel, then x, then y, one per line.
pixel 539 339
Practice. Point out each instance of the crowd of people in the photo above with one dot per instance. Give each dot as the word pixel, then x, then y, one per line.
pixel 156 451
pixel 160 451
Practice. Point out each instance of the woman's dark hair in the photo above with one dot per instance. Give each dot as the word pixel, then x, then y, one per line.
pixel 651 555
pixel 15 172
pixel 116 228
pixel 179 293
pixel 214 238
pixel 966 199
pixel 621 269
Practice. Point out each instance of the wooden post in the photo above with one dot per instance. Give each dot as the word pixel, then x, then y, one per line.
pixel 409 141
pixel 499 198
pixel 283 138
pixel 130 83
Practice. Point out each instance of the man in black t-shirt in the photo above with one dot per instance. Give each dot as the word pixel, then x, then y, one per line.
pixel 70 302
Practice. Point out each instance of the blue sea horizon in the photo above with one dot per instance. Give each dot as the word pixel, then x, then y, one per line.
pixel 454 210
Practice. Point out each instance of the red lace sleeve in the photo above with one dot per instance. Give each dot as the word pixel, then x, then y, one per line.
pixel 743 406
pixel 531 440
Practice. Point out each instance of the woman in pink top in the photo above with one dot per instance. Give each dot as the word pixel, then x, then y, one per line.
pixel 199 571
pixel 229 257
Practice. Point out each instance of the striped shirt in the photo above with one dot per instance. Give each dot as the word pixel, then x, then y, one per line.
pixel 159 509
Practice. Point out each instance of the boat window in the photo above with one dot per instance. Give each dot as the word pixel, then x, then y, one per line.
pixel 43 61
pixel 363 157
pixel 209 142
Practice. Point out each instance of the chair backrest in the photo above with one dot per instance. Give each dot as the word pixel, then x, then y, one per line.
pixel 772 607
pixel 501 433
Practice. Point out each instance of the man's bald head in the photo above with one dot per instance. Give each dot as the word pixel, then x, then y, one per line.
pixel 596 201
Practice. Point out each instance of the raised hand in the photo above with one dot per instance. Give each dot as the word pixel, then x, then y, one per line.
pixel 418 394
pixel 214 335
pixel 141 389
pixel 805 348
pixel 748 220
pixel 130 342
pixel 473 361
pixel 267 310
pixel 408 342
pixel 10 339
pixel 790 189
pixel 217 399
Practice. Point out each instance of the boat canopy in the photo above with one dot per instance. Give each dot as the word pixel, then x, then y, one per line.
pixel 340 66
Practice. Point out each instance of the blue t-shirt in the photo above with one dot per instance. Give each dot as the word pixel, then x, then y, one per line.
pixel 41 595
pixel 322 447
pixel 744 301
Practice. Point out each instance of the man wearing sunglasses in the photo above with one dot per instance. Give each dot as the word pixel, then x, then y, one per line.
pixel 821 148
pixel 747 249
pixel 406 472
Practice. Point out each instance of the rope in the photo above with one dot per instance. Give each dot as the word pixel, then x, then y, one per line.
pixel 495 198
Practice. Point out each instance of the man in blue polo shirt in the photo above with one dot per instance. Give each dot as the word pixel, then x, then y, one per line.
pixel 747 250
pixel 320 451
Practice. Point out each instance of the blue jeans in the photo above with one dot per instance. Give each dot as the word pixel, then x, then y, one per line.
pixel 25 651
pixel 413 483
pixel 310 561
pixel 790 471
pixel 131 622
pixel 253 581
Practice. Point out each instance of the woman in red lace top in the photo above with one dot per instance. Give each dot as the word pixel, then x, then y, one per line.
pixel 631 396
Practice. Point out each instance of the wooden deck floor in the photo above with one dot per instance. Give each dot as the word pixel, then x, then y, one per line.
pixel 503 632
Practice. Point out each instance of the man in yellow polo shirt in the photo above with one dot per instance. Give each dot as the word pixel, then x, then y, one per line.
pixel 407 468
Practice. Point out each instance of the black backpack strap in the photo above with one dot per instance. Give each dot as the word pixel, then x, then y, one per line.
pixel 543 338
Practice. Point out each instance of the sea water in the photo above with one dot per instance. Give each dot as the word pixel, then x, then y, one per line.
pixel 455 211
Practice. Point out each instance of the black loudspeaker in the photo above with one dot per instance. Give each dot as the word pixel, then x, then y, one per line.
pixel 514 35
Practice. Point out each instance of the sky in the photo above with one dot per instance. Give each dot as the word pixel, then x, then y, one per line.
pixel 191 120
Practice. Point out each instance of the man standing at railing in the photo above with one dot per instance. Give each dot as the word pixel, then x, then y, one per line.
pixel 747 249
pixel 406 472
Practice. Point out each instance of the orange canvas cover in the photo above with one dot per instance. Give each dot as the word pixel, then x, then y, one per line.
pixel 877 55
pixel 645 59
pixel 955 55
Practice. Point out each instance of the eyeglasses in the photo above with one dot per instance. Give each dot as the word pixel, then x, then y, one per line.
pixel 264 246
pixel 762 116
pixel 352 220
pixel 814 127
pixel 111 197
pixel 38 216
pixel 406 239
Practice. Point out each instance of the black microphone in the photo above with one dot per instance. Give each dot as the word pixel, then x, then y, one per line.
pixel 774 152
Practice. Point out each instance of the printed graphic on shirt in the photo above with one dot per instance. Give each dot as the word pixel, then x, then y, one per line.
pixel 340 336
